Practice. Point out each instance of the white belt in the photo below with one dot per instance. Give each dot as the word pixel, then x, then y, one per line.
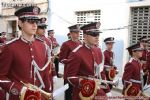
pixel 143 62
pixel 107 67
pixel 135 81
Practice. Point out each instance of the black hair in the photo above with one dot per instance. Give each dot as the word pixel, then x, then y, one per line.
pixel 23 20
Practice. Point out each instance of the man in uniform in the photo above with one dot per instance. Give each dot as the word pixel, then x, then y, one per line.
pixel 148 68
pixel 52 38
pixel 25 61
pixel 109 68
pixel 3 37
pixel 132 76
pixel 2 43
pixel 55 48
pixel 40 33
pixel 66 48
pixel 84 64
pixel 144 44
pixel 2 40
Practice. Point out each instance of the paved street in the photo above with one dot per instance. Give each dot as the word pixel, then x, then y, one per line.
pixel 59 83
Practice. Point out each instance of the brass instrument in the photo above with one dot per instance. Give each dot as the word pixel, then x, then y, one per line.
pixel 47 95
pixel 102 83
pixel 115 83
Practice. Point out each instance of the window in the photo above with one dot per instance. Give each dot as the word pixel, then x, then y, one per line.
pixel 85 17
pixel 140 20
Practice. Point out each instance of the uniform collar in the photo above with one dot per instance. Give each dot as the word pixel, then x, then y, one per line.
pixel 40 36
pixel 108 50
pixel 133 58
pixel 26 41
pixel 89 47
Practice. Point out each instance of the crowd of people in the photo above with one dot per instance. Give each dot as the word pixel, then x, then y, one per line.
pixel 29 64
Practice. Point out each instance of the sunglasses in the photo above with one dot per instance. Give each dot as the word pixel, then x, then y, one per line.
pixel 94 34
pixel 144 41
pixel 32 21
pixel 42 27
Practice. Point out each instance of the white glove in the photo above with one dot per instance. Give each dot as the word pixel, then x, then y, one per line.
pixel 22 93
pixel 109 94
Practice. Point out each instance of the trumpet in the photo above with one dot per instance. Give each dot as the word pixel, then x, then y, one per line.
pixel 114 83
pixel 103 83
pixel 47 95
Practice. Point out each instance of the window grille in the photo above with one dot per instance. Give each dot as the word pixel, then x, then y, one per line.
pixel 140 21
pixel 85 17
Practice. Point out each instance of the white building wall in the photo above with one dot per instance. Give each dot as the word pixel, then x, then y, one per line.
pixel 114 14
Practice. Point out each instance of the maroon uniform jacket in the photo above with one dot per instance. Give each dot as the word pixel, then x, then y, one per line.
pixel 148 67
pixel 81 63
pixel 54 42
pixel 48 42
pixel 66 48
pixel 2 40
pixel 15 65
pixel 132 74
pixel 144 55
pixel 108 58
pixel 144 59
pixel 2 43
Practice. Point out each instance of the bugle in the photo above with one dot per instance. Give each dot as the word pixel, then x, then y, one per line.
pixel 47 95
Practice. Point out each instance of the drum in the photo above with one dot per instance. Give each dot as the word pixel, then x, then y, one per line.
pixel 131 89
pixel 112 73
pixel 30 94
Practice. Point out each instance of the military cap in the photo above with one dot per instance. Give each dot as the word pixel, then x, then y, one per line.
pixel 134 47
pixel 74 28
pixel 143 39
pixel 3 33
pixel 42 22
pixel 92 28
pixel 50 31
pixel 29 12
pixel 109 40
